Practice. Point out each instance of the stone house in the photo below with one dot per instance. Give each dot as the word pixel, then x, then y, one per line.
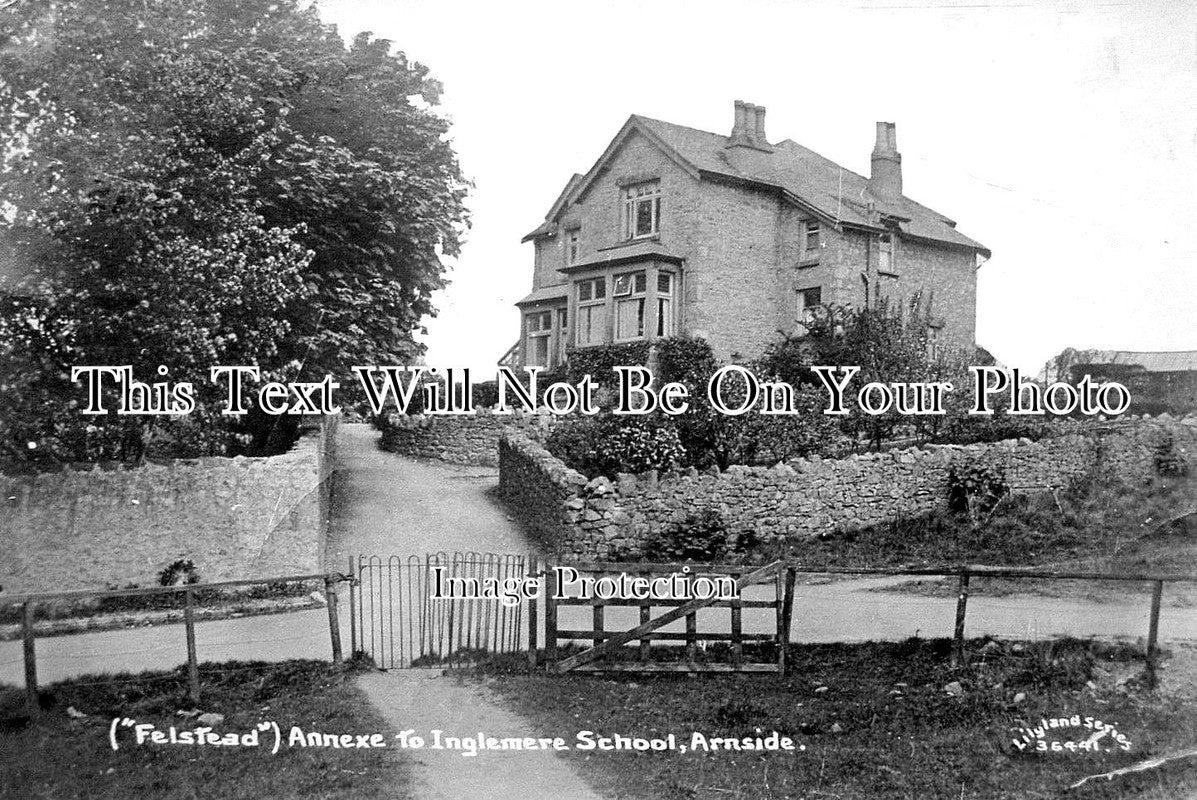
pixel 733 238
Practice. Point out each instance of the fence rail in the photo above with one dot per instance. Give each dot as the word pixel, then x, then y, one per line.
pixel 604 641
pixel 28 603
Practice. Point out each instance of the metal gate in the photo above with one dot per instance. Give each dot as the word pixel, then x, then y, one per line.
pixel 398 619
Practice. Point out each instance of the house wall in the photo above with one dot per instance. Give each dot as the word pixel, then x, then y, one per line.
pixel 948 280
pixel 234 517
pixel 744 259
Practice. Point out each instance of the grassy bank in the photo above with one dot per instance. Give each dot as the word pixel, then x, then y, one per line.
pixel 68 756
pixel 877 721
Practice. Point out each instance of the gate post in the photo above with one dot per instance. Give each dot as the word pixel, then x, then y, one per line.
pixel 532 621
pixel 334 620
pixel 550 617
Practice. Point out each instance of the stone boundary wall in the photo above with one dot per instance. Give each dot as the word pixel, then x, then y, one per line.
pixel 466 439
pixel 236 518
pixel 597 518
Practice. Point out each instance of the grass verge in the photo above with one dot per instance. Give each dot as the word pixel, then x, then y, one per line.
pixel 878 720
pixel 67 756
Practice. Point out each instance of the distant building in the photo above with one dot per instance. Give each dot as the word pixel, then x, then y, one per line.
pixel 733 238
pixel 1158 382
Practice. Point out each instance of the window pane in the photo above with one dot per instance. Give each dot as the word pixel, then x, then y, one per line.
pixel 664 317
pixel 584 290
pixel 629 322
pixel 664 283
pixel 623 285
pixel 641 282
pixel 600 287
pixel 644 217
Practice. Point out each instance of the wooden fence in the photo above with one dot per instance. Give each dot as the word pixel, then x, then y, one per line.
pixel 28 603
pixel 608 652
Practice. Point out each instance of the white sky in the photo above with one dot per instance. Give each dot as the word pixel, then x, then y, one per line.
pixel 1062 135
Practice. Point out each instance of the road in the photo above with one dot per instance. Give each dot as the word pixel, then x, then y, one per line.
pixel 383 503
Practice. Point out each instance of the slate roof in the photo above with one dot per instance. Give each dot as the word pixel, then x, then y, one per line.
pixel 1174 361
pixel 839 193
pixel 824 187
pixel 561 290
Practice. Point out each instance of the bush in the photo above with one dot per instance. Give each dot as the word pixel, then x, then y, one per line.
pixel 178 573
pixel 607 444
pixel 976 488
pixel 599 361
pixel 1169 461
pixel 702 536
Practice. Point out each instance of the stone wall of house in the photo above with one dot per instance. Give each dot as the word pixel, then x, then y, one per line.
pixel 808 497
pixel 465 439
pixel 92 528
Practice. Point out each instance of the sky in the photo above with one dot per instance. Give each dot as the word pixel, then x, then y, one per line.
pixel 1062 135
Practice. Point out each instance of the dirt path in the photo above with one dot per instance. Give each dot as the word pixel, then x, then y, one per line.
pixel 425 701
pixel 390 505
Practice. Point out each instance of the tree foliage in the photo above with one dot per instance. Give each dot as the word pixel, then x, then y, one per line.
pixel 189 184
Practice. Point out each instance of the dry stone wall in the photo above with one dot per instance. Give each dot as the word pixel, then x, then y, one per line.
pixel 235 518
pixel 582 518
pixel 467 439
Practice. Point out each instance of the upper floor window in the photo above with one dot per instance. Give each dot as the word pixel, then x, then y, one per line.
pixel 885 261
pixel 811 248
pixel 642 210
pixel 573 246
pixel 933 347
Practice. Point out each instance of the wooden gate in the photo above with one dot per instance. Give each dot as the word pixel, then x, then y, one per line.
pixel 718 649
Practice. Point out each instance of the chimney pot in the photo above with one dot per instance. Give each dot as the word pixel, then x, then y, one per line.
pixel 739 127
pixel 885 180
pixel 759 132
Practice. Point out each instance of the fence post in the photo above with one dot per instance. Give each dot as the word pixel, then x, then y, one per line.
pixel 958 659
pixel 533 633
pixel 1153 632
pixel 786 618
pixel 550 617
pixel 193 684
pixel 31 705
pixel 334 620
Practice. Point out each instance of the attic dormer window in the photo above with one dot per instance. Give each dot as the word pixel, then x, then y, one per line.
pixel 642 210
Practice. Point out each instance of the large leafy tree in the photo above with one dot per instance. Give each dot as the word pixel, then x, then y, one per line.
pixel 189 183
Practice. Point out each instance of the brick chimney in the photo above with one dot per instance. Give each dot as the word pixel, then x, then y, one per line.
pixel 885 181
pixel 749 127
pixel 759 134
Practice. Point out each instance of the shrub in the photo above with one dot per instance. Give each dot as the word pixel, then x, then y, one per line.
pixel 1169 461
pixel 178 573
pixel 599 361
pixel 486 394
pixel 701 536
pixel 607 444
pixel 976 488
